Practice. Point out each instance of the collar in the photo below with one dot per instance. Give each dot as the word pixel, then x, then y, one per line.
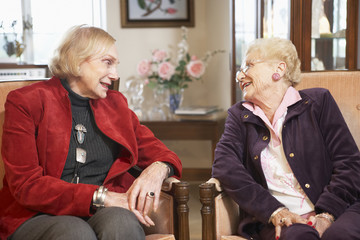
pixel 76 99
pixel 291 97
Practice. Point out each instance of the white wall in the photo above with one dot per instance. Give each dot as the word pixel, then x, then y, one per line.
pixel 211 31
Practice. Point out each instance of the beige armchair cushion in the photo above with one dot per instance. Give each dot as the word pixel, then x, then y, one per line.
pixel 226 214
pixel 233 237
pixel 160 237
pixel 344 87
pixel 163 217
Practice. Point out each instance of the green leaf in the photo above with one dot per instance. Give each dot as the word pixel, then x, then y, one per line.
pixel 188 57
pixel 182 63
pixel 179 68
pixel 142 4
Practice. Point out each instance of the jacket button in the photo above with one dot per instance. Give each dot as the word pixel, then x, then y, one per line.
pixel 291 155
pixel 256 157
pixel 246 116
pixel 307 185
pixel 306 102
pixel 265 138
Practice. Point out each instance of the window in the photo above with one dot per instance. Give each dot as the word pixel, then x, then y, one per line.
pixel 254 19
pixel 38 25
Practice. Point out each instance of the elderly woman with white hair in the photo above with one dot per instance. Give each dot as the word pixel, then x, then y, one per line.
pixel 287 157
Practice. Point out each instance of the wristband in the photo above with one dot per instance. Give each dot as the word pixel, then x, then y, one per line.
pixel 276 212
pixel 99 197
pixel 327 216
pixel 164 165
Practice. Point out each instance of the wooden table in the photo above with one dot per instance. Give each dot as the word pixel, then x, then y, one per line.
pixel 210 130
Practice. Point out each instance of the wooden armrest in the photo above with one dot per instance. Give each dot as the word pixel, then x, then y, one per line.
pixel 172 216
pixel 220 214
pixel 168 184
pixel 217 184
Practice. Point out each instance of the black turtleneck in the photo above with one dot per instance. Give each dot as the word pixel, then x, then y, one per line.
pixel 101 151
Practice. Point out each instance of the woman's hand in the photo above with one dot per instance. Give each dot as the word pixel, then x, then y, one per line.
pixel 114 199
pixel 285 218
pixel 321 223
pixel 139 199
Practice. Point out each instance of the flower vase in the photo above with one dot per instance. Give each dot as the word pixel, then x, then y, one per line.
pixel 175 98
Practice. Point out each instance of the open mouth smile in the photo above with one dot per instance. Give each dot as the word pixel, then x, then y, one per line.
pixel 105 85
pixel 244 85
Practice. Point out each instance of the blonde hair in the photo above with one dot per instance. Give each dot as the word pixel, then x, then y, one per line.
pixel 279 49
pixel 79 44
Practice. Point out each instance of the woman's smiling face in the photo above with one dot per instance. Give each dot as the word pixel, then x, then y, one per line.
pixel 255 79
pixel 97 74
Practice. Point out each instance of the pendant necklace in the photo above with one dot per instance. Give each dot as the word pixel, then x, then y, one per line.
pixel 80 152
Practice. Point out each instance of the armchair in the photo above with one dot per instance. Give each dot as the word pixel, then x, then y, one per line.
pixel 220 214
pixel 172 217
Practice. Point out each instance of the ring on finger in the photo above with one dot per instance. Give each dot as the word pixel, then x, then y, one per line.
pixel 283 220
pixel 150 194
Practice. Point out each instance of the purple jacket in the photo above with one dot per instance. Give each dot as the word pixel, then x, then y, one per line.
pixel 319 148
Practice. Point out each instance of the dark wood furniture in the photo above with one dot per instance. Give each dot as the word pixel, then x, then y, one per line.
pixel 300 31
pixel 210 130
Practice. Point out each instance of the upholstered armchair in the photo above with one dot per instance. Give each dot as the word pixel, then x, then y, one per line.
pixel 220 214
pixel 172 217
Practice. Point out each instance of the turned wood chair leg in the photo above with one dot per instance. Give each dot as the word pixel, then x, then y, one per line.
pixel 182 210
pixel 207 194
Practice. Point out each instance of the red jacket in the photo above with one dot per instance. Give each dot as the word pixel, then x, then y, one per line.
pixel 35 145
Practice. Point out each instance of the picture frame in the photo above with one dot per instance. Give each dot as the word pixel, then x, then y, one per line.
pixel 156 13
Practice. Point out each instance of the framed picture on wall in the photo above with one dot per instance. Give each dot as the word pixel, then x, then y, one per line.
pixel 157 13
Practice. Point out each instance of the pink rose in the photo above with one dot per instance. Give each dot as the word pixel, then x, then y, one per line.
pixel 193 58
pixel 159 55
pixel 196 68
pixel 166 70
pixel 171 10
pixel 144 67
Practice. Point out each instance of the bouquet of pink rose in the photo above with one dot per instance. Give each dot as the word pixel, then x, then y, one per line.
pixel 161 71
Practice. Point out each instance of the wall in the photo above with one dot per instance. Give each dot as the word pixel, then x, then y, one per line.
pixel 211 31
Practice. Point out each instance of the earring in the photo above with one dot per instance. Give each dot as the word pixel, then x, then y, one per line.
pixel 276 76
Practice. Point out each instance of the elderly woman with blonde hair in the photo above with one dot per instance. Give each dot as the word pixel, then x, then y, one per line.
pixel 287 157
pixel 78 163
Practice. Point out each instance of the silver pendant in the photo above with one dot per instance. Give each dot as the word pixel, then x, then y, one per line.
pixel 80 155
pixel 80 133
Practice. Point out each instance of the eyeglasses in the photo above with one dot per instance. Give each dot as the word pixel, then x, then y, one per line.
pixel 245 68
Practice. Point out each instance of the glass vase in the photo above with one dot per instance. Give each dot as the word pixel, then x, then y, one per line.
pixel 134 93
pixel 157 112
pixel 175 98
